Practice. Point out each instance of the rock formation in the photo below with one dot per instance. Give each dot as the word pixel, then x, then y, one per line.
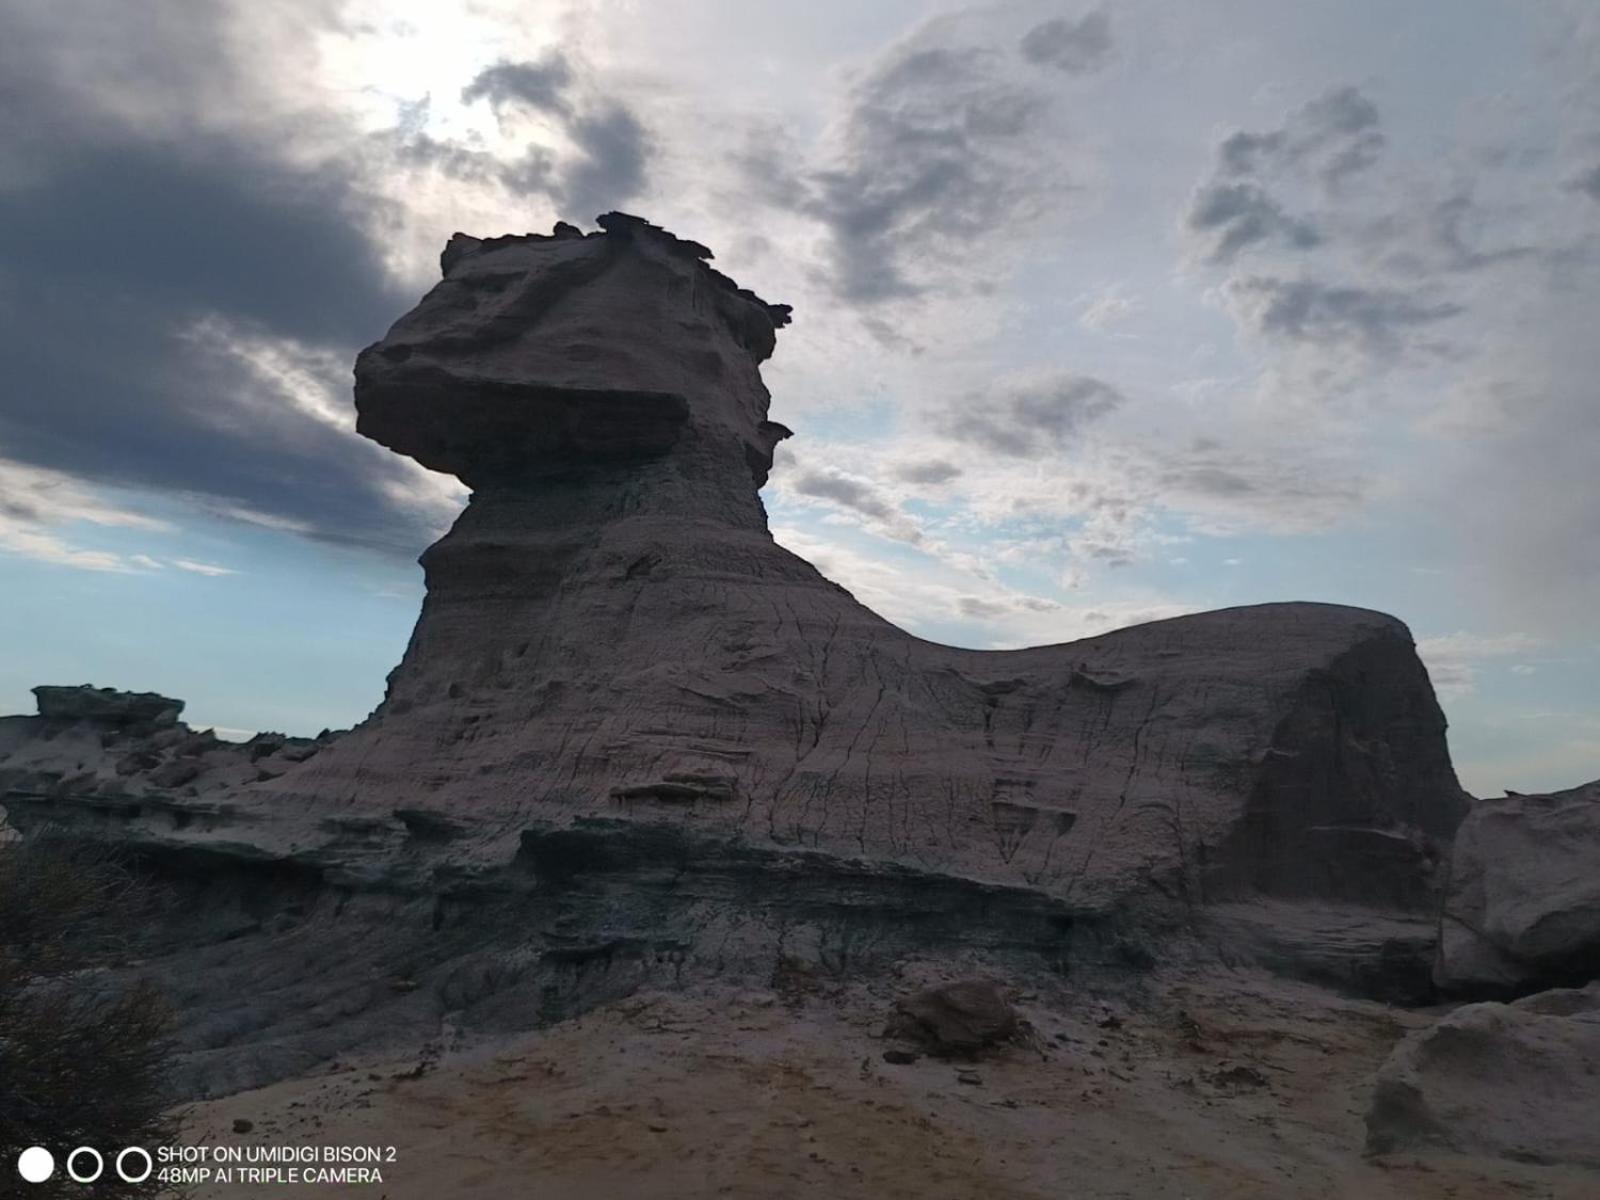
pixel 107 706
pixel 1522 908
pixel 98 756
pixel 610 631
pixel 1515 1081
pixel 632 734
pixel 956 1019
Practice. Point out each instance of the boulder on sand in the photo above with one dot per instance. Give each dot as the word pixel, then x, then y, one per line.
pixel 1517 1081
pixel 956 1019
pixel 1522 906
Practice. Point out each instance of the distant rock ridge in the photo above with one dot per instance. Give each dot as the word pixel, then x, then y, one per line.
pixel 89 703
pixel 632 735
pixel 99 757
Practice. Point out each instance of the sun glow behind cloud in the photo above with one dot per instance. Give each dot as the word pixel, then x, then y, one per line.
pixel 387 57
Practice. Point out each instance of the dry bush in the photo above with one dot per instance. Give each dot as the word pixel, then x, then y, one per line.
pixel 82 1057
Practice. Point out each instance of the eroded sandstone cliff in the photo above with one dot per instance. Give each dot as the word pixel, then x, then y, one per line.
pixel 632 735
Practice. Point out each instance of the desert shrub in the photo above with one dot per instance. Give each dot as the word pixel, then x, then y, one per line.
pixel 82 1055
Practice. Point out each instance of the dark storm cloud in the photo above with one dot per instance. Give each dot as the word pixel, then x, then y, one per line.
pixel 1033 418
pixel 119 240
pixel 611 169
pixel 114 242
pixel 1237 215
pixel 541 84
pixel 613 146
pixel 1378 321
pixel 1077 47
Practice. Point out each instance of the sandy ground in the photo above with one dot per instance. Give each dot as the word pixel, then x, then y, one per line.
pixel 1238 1087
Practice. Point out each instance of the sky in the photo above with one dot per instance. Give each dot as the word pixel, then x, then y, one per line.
pixel 1102 314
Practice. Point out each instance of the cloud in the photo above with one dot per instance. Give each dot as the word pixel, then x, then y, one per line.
pixel 199 568
pixel 830 484
pixel 1028 417
pixel 941 151
pixel 1377 321
pixel 930 471
pixel 611 147
pixel 36 504
pixel 225 242
pixel 540 84
pixel 1589 183
pixel 1107 310
pixel 1238 215
pixel 1327 140
pixel 49 548
pixel 948 602
pixel 1520 491
pixel 1453 659
pixel 128 237
pixel 1076 47
pixel 611 168
pixel 855 494
pixel 1331 137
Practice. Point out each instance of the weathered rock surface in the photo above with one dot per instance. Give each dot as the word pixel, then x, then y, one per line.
pixel 611 631
pixel 1516 1081
pixel 98 759
pixel 106 705
pixel 957 1019
pixel 1522 908
pixel 543 358
pixel 632 737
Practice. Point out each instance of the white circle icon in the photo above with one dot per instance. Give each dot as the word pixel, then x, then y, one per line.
pixel 149 1165
pixel 36 1164
pixel 99 1165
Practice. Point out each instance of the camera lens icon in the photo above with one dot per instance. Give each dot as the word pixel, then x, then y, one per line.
pixel 126 1173
pixel 75 1169
pixel 36 1164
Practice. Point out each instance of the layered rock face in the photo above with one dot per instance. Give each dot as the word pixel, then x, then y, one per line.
pixel 610 632
pixel 99 750
pixel 631 734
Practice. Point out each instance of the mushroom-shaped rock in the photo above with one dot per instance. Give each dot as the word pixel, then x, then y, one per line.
pixel 633 735
pixel 610 625
pixel 542 357
pixel 624 695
